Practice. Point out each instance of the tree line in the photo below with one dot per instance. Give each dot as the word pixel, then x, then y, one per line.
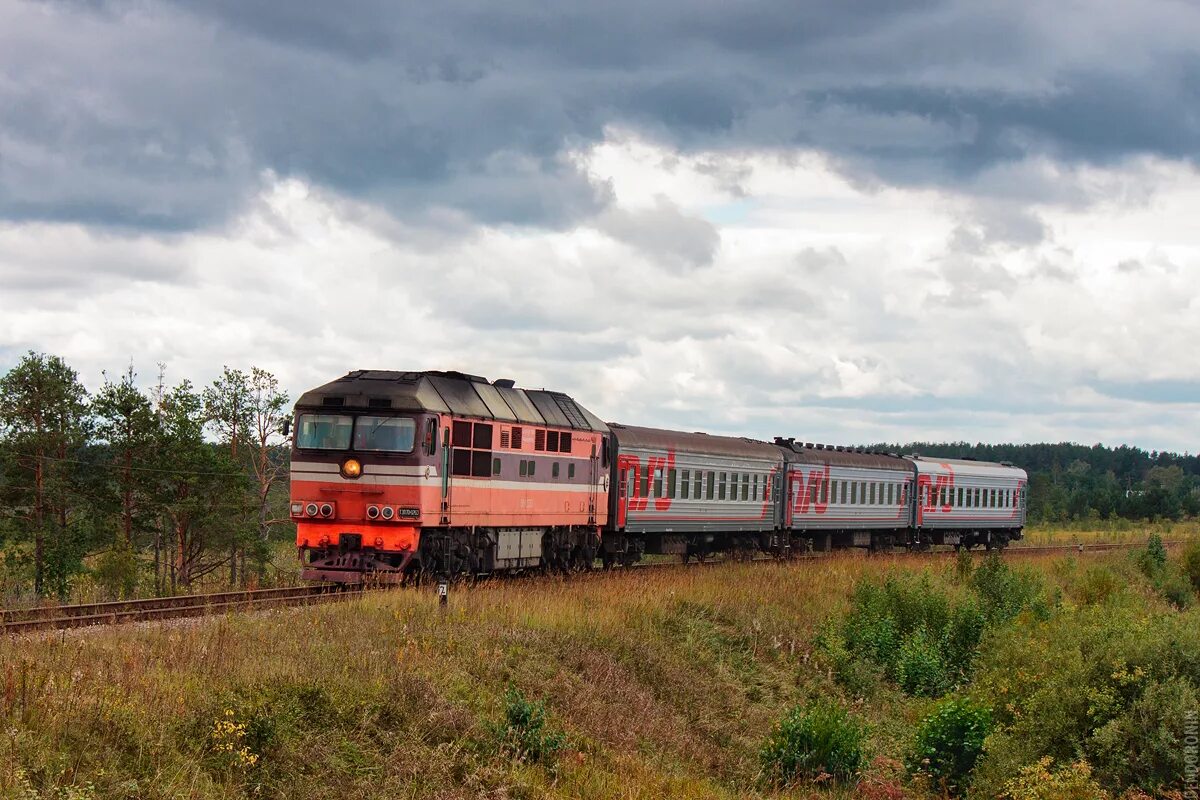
pixel 146 490
pixel 1073 482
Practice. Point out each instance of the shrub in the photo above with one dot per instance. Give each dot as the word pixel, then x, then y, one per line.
pixel 884 614
pixel 1177 591
pixel 117 570
pixel 909 628
pixel 962 637
pixel 1038 782
pixel 1144 746
pixel 858 676
pixel 1190 563
pixel 1003 591
pixel 1096 586
pixel 949 742
pixel 920 670
pixel 524 732
pixel 1080 684
pixel 1152 560
pixel 964 565
pixel 813 741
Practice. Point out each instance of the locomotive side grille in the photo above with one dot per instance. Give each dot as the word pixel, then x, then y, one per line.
pixel 571 411
pixel 505 439
pixel 333 402
pixel 539 439
pixel 516 438
pixel 379 402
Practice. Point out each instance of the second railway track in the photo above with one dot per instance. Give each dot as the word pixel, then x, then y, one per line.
pixel 116 612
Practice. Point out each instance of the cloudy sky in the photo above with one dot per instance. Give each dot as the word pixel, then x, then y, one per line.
pixel 847 222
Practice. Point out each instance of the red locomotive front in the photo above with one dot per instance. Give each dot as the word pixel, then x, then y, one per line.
pixel 441 472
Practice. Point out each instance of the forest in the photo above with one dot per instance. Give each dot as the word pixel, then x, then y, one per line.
pixel 1074 482
pixel 143 492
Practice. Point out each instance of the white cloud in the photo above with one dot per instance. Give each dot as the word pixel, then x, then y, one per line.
pixel 829 311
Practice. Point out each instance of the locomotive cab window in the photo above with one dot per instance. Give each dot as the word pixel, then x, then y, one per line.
pixel 323 431
pixel 385 434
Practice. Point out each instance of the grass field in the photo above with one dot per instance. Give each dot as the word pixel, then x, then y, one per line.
pixel 1117 531
pixel 662 683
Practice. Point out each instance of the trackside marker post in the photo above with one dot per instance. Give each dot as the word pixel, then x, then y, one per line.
pixel 443 590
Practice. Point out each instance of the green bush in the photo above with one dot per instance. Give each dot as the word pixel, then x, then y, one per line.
pixel 858 676
pixel 1038 782
pixel 960 642
pixel 1144 745
pixel 1190 563
pixel 1096 586
pixel 883 614
pixel 949 742
pixel 920 670
pixel 1177 591
pixel 117 570
pixel 964 565
pixel 1003 591
pixel 1083 683
pixel 814 741
pixel 1152 560
pixel 524 731
pixel 910 628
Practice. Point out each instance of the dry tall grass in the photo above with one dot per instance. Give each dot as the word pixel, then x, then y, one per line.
pixel 664 681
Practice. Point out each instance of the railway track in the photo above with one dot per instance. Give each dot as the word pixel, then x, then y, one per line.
pixel 194 605
pixel 16 621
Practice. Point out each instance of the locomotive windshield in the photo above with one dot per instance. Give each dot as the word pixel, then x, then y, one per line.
pixel 337 431
pixel 323 431
pixel 394 434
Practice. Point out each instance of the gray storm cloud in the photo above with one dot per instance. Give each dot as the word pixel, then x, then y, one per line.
pixel 857 221
pixel 167 115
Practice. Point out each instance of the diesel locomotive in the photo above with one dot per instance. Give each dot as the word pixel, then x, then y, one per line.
pixel 398 474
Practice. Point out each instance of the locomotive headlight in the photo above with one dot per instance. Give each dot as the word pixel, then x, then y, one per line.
pixel 310 510
pixel 326 509
pixel 351 468
pixel 387 512
pixel 372 512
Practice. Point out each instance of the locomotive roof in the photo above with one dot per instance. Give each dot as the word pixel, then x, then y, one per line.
pixel 800 453
pixel 449 393
pixel 681 441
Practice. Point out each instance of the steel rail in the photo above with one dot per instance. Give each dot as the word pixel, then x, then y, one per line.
pixel 121 611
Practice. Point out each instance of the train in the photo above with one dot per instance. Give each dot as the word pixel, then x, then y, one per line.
pixel 397 475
